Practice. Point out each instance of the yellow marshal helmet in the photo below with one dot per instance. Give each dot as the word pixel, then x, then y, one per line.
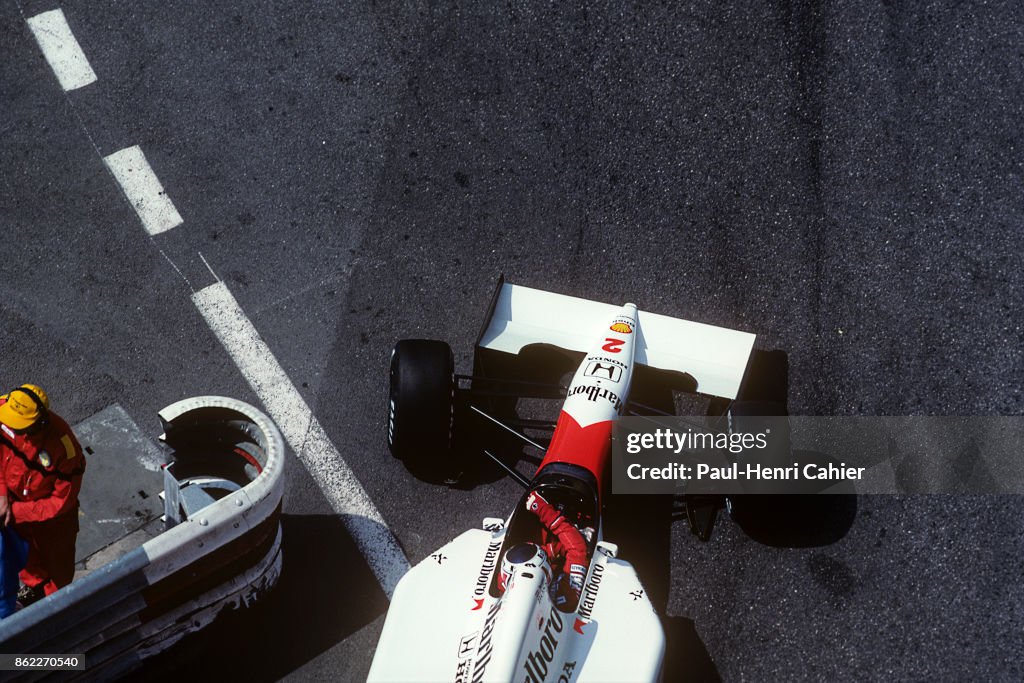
pixel 24 406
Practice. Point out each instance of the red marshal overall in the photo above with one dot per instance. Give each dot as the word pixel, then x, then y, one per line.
pixel 41 477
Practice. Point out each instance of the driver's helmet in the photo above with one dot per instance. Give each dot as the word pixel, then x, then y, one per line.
pixel 519 558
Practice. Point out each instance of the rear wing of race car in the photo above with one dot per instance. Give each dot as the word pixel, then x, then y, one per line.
pixel 715 357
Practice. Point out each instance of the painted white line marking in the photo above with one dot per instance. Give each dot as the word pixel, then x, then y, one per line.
pixel 303 432
pixel 61 49
pixel 143 190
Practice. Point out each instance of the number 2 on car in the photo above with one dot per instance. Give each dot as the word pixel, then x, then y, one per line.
pixel 612 345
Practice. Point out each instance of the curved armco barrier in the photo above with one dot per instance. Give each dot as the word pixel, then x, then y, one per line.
pixel 224 555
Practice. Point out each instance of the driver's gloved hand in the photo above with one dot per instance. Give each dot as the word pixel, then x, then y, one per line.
pixel 534 501
pixel 548 515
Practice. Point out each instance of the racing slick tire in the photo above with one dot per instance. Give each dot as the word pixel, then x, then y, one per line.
pixel 421 405
pixel 790 519
pixel 756 417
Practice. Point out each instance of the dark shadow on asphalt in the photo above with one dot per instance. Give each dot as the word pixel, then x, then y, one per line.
pixel 795 520
pixel 686 658
pixel 322 574
pixel 641 526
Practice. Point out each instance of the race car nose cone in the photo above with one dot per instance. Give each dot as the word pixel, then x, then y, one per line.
pixel 625 320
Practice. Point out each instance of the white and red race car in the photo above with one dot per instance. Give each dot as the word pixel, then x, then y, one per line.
pixel 541 595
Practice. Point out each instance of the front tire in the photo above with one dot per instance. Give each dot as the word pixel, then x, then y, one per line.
pixel 420 405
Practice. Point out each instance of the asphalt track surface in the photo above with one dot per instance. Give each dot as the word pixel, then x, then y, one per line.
pixel 844 181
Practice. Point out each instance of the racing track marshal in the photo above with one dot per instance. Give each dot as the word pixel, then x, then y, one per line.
pixel 41 464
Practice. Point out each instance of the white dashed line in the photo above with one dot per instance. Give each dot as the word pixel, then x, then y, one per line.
pixel 61 49
pixel 303 432
pixel 229 323
pixel 143 190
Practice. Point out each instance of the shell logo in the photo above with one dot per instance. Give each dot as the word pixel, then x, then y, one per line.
pixel 622 328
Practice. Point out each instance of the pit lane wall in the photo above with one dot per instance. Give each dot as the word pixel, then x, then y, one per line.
pixel 225 555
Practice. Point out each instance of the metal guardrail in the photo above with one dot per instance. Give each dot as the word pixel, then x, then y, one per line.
pixel 224 555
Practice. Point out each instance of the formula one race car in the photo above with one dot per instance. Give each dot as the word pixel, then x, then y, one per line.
pixel 541 595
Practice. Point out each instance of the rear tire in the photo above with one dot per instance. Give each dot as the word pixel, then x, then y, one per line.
pixel 420 406
pixel 761 404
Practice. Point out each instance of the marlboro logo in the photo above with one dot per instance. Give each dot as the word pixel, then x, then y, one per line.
pixel 486 648
pixel 486 569
pixel 537 661
pixel 589 596
pixel 593 393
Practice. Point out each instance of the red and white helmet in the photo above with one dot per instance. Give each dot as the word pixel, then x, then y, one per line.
pixel 522 557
